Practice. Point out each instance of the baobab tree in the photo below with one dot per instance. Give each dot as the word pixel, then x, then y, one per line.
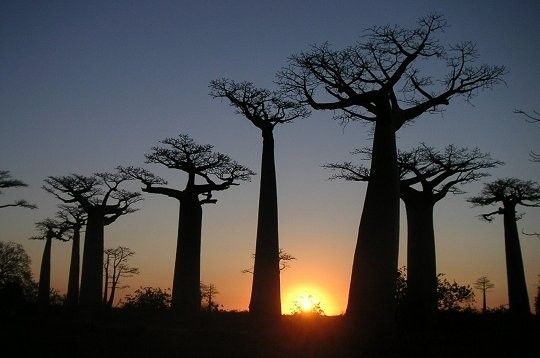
pixel 73 218
pixel 217 172
pixel 48 229
pixel 6 181
pixel 116 268
pixel 426 176
pixel 380 80
pixel 511 192
pixel 102 199
pixel 264 109
pixel 483 284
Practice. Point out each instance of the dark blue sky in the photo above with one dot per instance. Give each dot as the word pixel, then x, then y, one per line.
pixel 85 86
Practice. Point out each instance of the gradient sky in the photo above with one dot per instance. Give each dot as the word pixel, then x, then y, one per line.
pixel 86 86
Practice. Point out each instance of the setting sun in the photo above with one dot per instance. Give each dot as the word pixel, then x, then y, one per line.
pixel 308 299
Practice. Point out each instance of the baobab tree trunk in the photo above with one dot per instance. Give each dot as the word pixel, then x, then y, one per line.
pixel 186 294
pixel 44 287
pixel 421 262
pixel 517 288
pixel 371 305
pixel 92 265
pixel 265 291
pixel 72 297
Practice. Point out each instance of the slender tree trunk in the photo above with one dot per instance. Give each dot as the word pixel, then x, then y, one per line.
pixel 421 262
pixel 484 303
pixel 92 266
pixel 113 290
pixel 265 291
pixel 72 297
pixel 517 287
pixel 44 287
pixel 106 280
pixel 371 305
pixel 186 294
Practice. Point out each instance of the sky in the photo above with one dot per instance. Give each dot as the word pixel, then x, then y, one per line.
pixel 87 86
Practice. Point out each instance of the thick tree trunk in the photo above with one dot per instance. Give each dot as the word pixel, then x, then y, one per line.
pixel 72 297
pixel 265 291
pixel 517 287
pixel 421 262
pixel 186 294
pixel 371 305
pixel 44 287
pixel 92 265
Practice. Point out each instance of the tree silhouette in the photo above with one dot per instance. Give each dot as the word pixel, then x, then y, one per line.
pixel 218 172
pixel 116 268
pixel 208 293
pixel 511 192
pixel 426 175
pixel 533 117
pixel 264 109
pixel 380 81
pixel 104 202
pixel 16 284
pixel 148 299
pixel 483 284
pixel 73 218
pixel 284 259
pixel 6 181
pixel 48 229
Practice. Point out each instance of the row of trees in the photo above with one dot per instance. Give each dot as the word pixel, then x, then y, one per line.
pixel 379 80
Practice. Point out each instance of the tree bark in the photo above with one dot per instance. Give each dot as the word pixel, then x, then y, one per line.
pixel 517 287
pixel 44 287
pixel 72 297
pixel 265 291
pixel 92 265
pixel 186 294
pixel 421 261
pixel 371 304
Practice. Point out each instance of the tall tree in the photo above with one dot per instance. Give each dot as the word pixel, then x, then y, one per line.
pixel 48 229
pixel 217 172
pixel 102 199
pixel 483 284
pixel 426 175
pixel 73 218
pixel 264 109
pixel 116 268
pixel 380 81
pixel 6 181
pixel 511 192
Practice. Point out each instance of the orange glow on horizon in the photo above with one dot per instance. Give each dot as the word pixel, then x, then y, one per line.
pixel 307 296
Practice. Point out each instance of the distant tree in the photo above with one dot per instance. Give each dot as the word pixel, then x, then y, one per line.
pixel 511 192
pixel 533 117
pixel 16 284
pixel 48 229
pixel 217 172
pixel 307 306
pixel 284 259
pixel 148 299
pixel 208 294
pixel 73 218
pixel 6 181
pixel 104 202
pixel 380 80
pixel 483 284
pixel 116 268
pixel 451 296
pixel 426 175
pixel 264 109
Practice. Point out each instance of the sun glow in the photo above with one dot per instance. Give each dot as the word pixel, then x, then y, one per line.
pixel 308 299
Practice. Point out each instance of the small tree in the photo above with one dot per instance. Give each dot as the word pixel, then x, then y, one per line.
pixel 48 229
pixel 483 284
pixel 148 299
pixel 103 200
pixel 217 172
pixel 208 293
pixel 6 181
pixel 116 268
pixel 16 284
pixel 511 192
